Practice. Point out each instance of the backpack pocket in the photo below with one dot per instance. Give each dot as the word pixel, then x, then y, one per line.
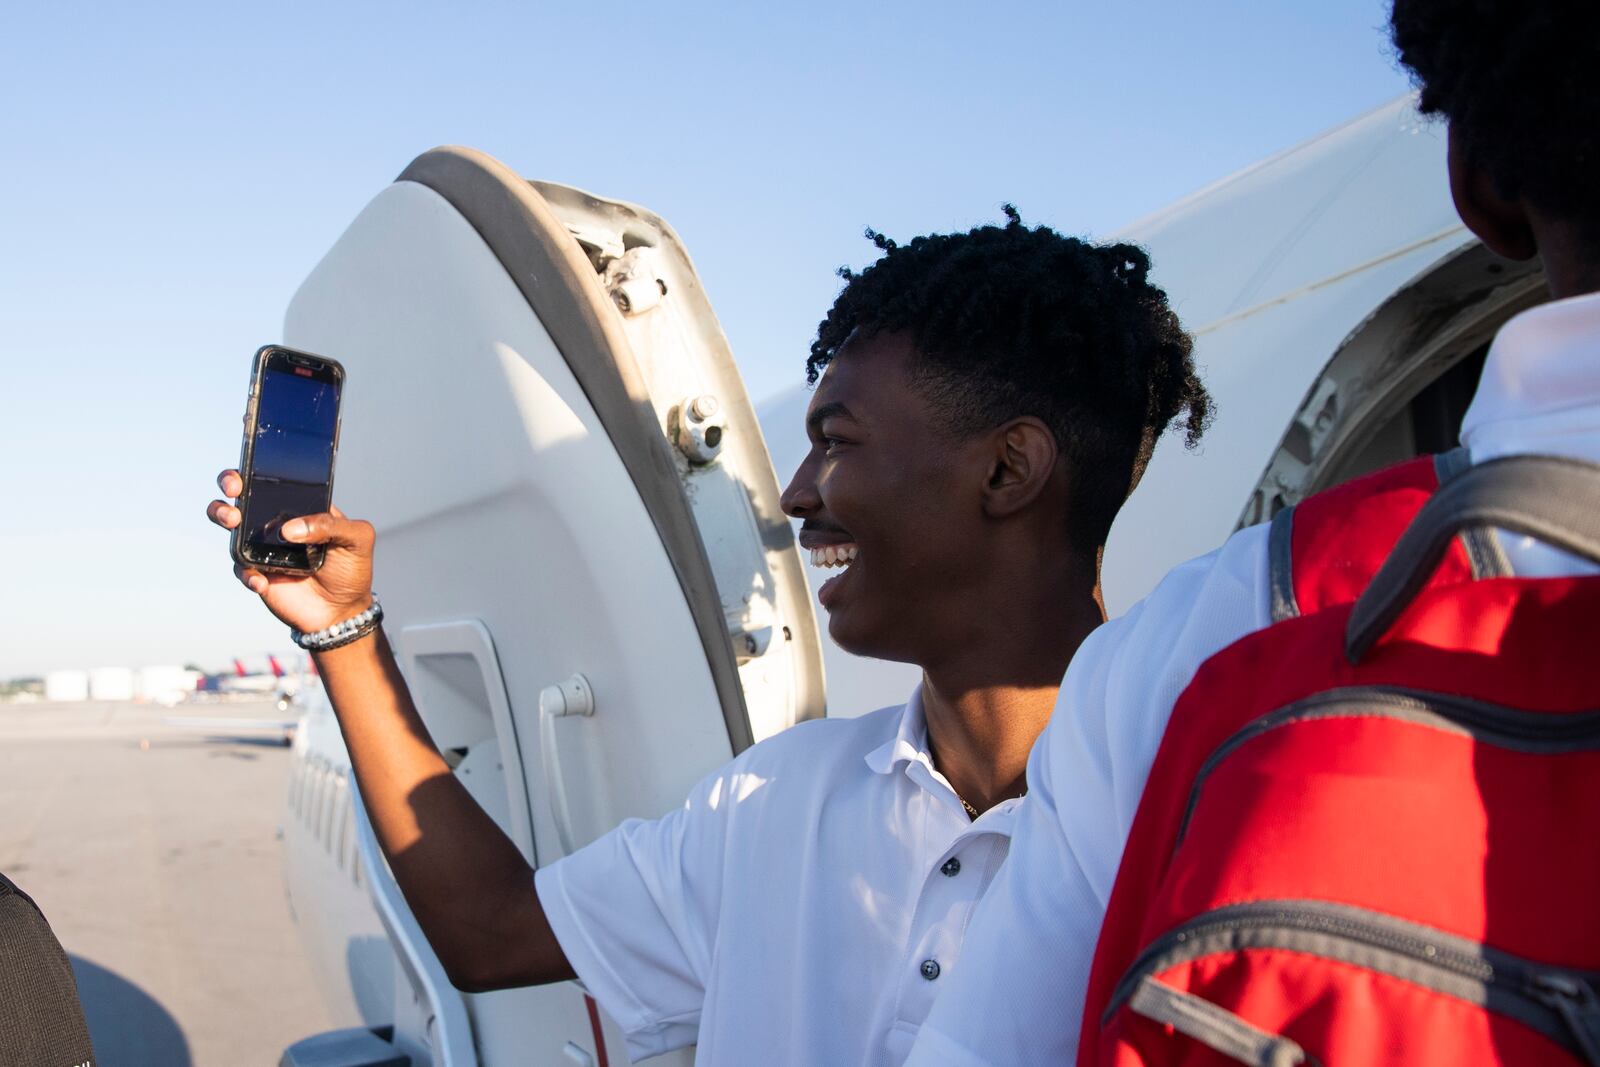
pixel 1306 981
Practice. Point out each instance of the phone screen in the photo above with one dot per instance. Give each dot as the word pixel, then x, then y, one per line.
pixel 291 462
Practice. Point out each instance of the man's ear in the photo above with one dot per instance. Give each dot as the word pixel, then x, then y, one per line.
pixel 1501 224
pixel 1021 463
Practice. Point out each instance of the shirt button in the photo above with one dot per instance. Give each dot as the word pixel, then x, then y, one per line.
pixel 951 868
pixel 930 969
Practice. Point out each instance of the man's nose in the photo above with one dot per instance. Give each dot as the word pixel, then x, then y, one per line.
pixel 801 499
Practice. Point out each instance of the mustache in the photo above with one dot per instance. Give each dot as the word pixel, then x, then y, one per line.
pixel 811 526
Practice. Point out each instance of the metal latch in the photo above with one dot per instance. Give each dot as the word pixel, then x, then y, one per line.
pixel 698 428
pixel 634 282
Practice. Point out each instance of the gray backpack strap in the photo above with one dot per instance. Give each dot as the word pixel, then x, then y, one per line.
pixel 1484 554
pixel 1280 566
pixel 1551 498
pixel 1214 1026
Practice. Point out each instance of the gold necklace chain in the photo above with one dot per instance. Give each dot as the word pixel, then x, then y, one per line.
pixel 972 811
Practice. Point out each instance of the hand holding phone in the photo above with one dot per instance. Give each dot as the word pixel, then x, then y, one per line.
pixel 309 563
pixel 340 589
pixel 291 435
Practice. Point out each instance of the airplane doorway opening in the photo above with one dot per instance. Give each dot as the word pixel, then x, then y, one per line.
pixel 1400 383
pixel 1430 423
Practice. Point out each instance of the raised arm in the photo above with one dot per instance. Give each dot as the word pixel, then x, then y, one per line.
pixel 470 889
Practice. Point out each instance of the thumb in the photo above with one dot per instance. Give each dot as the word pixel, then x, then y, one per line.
pixel 327 528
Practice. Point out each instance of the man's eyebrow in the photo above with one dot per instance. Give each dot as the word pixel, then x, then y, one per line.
pixel 817 415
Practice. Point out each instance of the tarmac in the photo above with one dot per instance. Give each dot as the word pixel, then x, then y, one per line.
pixel 153 851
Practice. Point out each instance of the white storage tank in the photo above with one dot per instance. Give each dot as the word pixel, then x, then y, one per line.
pixel 111 683
pixel 66 686
pixel 165 685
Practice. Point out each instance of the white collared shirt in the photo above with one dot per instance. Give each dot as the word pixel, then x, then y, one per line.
pixel 1019 997
pixel 803 907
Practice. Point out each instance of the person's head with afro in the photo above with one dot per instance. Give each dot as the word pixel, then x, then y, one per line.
pixel 1014 320
pixel 1519 84
pixel 985 402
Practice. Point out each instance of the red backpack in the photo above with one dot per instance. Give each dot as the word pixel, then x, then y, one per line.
pixel 1371 834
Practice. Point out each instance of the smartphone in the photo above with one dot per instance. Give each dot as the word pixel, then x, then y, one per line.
pixel 291 435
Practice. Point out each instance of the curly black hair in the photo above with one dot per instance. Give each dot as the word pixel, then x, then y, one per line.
pixel 1520 85
pixel 1010 321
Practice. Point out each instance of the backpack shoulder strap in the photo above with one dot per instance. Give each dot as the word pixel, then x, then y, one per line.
pixel 1280 566
pixel 1553 498
pixel 1484 554
pixel 1323 551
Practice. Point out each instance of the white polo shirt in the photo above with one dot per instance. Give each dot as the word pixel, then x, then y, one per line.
pixel 803 907
pixel 1019 997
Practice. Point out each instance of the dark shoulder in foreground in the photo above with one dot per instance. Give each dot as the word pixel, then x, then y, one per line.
pixel 41 1021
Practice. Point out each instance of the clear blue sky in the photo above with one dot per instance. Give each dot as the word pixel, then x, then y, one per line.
pixel 170 172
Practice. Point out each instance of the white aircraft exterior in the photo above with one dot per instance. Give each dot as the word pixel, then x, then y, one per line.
pixel 594 596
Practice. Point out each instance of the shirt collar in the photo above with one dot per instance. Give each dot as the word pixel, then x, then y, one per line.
pixel 1538 379
pixel 907 750
pixel 910 740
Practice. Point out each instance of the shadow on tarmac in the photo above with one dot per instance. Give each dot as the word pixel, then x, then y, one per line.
pixel 129 1027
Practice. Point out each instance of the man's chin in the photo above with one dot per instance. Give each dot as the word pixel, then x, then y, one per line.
pixel 858 638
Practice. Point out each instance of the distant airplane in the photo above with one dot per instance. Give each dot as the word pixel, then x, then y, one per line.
pixel 274 681
pixel 596 599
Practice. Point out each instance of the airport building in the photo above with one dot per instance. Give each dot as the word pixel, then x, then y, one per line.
pixel 162 684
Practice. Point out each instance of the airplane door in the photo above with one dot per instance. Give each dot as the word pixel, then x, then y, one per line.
pixel 595 595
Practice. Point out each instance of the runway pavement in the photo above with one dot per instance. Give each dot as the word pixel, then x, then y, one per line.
pixel 153 851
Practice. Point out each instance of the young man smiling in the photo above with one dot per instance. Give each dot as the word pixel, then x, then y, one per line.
pixel 984 403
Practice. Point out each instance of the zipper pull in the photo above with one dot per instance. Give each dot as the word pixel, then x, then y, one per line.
pixel 1579 1007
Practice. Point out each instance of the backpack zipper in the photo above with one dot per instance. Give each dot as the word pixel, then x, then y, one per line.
pixel 1496 724
pixel 1558 1002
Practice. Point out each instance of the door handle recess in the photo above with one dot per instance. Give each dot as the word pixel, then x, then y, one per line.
pixel 572 697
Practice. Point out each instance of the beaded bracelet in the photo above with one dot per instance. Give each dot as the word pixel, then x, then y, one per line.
pixel 341 633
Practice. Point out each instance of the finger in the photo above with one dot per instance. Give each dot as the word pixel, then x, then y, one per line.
pixel 329 529
pixel 223 514
pixel 230 482
pixel 251 578
pixel 333 509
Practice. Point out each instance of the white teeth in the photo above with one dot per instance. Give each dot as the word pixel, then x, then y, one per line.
pixel 833 555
